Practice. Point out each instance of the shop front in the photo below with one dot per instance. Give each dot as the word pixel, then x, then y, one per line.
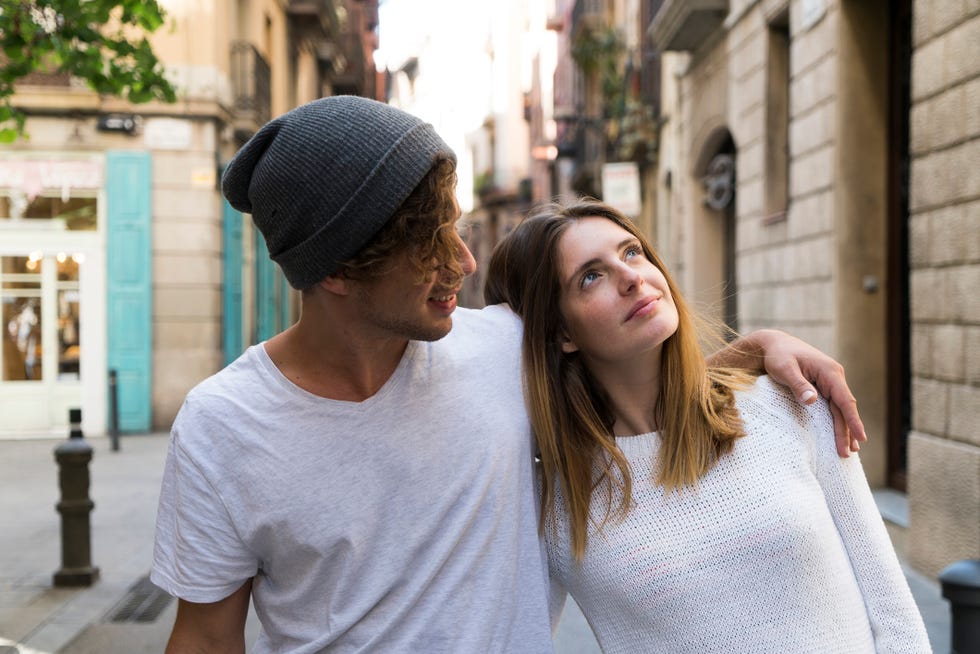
pixel 52 292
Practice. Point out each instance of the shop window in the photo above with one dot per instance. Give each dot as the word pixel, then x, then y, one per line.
pixel 23 297
pixel 68 302
pixel 20 296
pixel 73 213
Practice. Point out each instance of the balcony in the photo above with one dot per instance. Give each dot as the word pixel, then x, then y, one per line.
pixel 686 24
pixel 250 87
pixel 313 17
pixel 350 72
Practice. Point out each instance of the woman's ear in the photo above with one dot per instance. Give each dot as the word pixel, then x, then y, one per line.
pixel 567 345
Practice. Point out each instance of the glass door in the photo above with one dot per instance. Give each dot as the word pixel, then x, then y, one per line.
pixel 52 294
pixel 40 310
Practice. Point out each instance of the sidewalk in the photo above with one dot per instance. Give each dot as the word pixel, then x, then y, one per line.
pixel 36 618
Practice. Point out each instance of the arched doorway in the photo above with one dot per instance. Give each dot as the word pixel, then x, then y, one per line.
pixel 712 249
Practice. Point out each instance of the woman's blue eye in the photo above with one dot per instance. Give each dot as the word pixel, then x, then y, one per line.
pixel 589 277
pixel 633 251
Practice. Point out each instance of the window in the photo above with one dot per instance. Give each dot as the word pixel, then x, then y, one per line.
pixel 777 121
pixel 25 294
pixel 71 214
pixel 20 296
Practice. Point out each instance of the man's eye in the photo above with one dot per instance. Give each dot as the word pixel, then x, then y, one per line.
pixel 464 228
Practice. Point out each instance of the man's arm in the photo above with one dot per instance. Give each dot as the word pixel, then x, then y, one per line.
pixel 215 628
pixel 796 364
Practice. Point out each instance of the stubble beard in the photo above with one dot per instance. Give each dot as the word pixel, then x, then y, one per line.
pixel 413 329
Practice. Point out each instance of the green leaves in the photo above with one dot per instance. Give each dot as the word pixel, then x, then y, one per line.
pixel 100 41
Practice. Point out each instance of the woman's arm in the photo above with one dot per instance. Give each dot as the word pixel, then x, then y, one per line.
pixel 895 620
pixel 796 364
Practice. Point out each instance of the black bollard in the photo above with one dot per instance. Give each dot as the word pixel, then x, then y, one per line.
pixel 73 457
pixel 961 586
pixel 114 409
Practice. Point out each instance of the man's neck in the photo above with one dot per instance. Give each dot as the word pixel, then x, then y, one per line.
pixel 326 358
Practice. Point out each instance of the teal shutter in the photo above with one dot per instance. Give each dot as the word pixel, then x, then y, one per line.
pixel 232 288
pixel 129 284
pixel 283 301
pixel 265 291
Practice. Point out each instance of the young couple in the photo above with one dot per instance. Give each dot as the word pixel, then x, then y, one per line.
pixel 367 477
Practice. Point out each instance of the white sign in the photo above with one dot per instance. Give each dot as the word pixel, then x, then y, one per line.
pixel 32 176
pixel 621 187
pixel 167 134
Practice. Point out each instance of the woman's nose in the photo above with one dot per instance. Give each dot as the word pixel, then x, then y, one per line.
pixel 629 279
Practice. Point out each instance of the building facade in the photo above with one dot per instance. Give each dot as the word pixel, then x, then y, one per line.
pixel 125 278
pixel 817 173
pixel 944 276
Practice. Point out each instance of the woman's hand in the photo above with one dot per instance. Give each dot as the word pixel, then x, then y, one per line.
pixel 804 369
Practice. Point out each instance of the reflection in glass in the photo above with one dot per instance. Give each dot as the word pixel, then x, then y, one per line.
pixel 77 214
pixel 68 300
pixel 20 318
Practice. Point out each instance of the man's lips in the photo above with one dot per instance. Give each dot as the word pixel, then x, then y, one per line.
pixel 641 308
pixel 444 297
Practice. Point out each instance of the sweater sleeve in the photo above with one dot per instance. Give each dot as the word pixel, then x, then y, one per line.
pixel 895 620
pixel 557 597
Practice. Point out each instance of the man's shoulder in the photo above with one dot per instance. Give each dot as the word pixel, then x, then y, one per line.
pixel 247 365
pixel 493 319
pixel 228 386
pixel 492 329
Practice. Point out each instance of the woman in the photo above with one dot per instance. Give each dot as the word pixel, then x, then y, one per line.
pixel 686 508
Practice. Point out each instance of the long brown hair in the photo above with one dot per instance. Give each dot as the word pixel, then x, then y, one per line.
pixel 570 413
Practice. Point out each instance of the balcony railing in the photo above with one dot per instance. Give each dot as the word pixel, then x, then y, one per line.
pixel 686 24
pixel 352 77
pixel 250 84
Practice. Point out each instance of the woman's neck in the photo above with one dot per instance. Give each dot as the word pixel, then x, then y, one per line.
pixel 633 389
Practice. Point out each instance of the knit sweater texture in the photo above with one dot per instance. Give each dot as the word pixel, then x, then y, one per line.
pixel 778 548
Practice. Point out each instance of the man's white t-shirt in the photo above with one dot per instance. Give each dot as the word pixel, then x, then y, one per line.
pixel 403 523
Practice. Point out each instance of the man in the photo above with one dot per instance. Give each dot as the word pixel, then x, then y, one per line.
pixel 365 477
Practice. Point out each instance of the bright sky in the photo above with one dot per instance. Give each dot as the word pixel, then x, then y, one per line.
pixel 453 90
pixel 450 39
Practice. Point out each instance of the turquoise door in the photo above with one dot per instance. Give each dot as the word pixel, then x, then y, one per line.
pixel 232 288
pixel 266 307
pixel 129 289
pixel 283 301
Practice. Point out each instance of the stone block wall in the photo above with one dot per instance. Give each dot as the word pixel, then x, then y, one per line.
pixel 784 267
pixel 944 243
pixel 187 276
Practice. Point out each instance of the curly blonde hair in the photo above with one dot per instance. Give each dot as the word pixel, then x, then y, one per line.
pixel 423 226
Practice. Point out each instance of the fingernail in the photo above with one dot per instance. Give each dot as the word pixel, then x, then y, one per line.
pixel 855 445
pixel 807 395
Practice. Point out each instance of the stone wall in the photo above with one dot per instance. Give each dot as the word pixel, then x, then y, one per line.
pixel 944 242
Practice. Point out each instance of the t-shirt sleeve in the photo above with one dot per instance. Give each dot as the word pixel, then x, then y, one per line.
pixel 895 620
pixel 198 555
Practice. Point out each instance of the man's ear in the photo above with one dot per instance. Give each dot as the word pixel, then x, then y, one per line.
pixel 335 284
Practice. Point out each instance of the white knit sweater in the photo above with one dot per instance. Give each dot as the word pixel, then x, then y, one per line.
pixel 780 548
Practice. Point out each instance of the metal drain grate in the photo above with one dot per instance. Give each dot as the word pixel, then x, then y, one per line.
pixel 143 603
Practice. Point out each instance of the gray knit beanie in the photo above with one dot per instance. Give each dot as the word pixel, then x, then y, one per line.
pixel 321 180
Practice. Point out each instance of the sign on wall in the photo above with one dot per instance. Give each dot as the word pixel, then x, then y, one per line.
pixel 621 187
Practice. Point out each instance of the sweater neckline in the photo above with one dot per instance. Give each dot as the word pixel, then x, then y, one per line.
pixel 639 444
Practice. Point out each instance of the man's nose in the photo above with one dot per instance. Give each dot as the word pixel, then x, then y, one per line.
pixel 465 257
